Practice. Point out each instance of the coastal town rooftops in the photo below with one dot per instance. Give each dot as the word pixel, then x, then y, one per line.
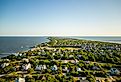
pixel 79 69
pixel 26 66
pixel 40 67
pixel 4 65
pixel 20 79
pixel 114 71
pixel 25 59
pixel 54 68
pixel 95 68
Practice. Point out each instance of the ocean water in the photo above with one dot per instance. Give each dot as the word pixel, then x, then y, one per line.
pixel 111 39
pixel 10 45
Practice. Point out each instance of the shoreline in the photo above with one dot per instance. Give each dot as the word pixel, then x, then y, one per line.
pixel 35 46
pixel 29 48
pixel 79 58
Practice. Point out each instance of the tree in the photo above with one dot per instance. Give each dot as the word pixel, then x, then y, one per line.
pixel 30 70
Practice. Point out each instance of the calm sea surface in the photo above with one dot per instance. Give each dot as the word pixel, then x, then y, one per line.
pixel 116 39
pixel 16 44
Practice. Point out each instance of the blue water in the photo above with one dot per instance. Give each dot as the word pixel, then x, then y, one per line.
pixel 111 39
pixel 17 44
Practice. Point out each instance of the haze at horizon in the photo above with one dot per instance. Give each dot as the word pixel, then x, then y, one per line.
pixel 60 17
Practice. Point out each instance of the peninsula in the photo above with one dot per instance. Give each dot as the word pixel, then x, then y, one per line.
pixel 64 60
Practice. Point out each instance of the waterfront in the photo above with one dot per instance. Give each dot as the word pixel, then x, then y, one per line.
pixel 10 45
pixel 70 59
pixel 16 44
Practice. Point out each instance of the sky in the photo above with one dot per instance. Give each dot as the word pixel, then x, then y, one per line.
pixel 60 17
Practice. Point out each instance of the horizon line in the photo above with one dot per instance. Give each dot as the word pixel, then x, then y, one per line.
pixel 55 35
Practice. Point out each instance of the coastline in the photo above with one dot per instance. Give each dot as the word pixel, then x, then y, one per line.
pixel 48 40
pixel 4 54
pixel 82 56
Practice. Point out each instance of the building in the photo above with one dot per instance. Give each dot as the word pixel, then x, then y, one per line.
pixel 78 69
pixel 26 66
pixel 95 68
pixel 20 80
pixel 40 67
pixel 54 68
pixel 26 60
pixel 4 65
pixel 114 71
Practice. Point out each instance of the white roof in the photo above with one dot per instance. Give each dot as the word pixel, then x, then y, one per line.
pixel 20 80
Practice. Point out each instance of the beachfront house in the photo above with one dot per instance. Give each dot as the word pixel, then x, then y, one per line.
pixel 4 65
pixel 20 80
pixel 6 60
pixel 19 54
pixel 54 68
pixel 40 67
pixel 114 71
pixel 26 66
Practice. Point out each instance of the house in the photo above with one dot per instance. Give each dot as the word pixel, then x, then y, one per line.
pixel 40 67
pixel 17 54
pixel 64 74
pixel 114 71
pixel 26 66
pixel 87 62
pixel 33 54
pixel 95 68
pixel 78 69
pixel 64 68
pixel 20 54
pixel 26 60
pixel 79 56
pixel 53 54
pixel 20 80
pixel 54 68
pixel 4 65
pixel 6 60
pixel 70 56
pixel 83 78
